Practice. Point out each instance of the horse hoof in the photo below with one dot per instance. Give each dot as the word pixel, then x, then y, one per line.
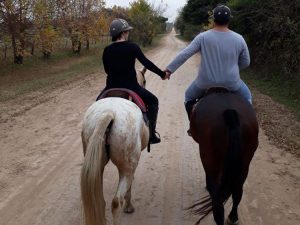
pixel 129 209
pixel 230 222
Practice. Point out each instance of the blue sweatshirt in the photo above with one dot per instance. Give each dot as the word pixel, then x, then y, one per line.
pixel 223 54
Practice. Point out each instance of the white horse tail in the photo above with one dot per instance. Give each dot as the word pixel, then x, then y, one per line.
pixel 92 173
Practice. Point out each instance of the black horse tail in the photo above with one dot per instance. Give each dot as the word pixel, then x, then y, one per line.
pixel 233 158
pixel 232 167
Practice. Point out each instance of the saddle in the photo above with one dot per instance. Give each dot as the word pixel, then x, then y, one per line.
pixel 217 89
pixel 126 94
pixel 209 91
pixel 191 104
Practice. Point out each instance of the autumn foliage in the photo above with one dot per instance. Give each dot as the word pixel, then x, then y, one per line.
pixel 27 25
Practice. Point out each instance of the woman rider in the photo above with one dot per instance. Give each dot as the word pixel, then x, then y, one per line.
pixel 119 64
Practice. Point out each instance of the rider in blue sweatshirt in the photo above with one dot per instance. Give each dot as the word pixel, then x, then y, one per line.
pixel 223 53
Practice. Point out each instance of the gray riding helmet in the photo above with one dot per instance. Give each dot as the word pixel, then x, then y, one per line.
pixel 117 26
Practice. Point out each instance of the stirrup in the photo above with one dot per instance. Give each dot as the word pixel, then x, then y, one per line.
pixel 154 139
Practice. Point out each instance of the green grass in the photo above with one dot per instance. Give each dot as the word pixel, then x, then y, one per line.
pixel 155 43
pixel 37 61
pixel 37 73
pixel 285 90
pixel 182 38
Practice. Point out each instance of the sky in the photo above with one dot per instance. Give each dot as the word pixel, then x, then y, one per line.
pixel 171 9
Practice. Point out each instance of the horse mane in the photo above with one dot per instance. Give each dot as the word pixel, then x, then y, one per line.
pixel 141 77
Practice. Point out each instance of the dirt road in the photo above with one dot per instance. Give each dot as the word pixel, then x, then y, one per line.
pixel 41 155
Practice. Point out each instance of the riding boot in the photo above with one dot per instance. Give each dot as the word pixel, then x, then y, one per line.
pixel 154 136
pixel 189 107
pixel 152 115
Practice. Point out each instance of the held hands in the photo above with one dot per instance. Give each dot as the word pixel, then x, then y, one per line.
pixel 167 74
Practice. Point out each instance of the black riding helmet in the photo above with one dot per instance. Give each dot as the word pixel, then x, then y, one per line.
pixel 118 26
pixel 222 14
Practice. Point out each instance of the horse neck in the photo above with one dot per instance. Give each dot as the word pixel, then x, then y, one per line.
pixel 141 77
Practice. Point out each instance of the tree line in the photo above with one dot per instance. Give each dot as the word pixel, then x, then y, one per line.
pixel 270 28
pixel 43 24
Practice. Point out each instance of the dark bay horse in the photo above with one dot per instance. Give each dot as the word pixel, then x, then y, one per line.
pixel 226 129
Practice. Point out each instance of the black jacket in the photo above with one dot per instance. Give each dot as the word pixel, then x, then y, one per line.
pixel 119 64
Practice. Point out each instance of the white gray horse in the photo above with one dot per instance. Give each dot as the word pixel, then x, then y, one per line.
pixel 119 123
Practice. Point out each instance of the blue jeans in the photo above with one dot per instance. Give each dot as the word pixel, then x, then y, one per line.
pixel 194 92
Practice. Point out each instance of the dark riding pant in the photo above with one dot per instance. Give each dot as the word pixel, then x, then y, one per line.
pixel 150 101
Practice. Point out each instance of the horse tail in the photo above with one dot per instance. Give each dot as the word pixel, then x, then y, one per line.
pixel 92 173
pixel 232 167
pixel 233 158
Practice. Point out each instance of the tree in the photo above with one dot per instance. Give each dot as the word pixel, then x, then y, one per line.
pixel 194 17
pixel 179 23
pixel 91 10
pixel 119 12
pixel 271 31
pixel 161 24
pixel 196 11
pixel 46 35
pixel 102 24
pixel 147 22
pixel 141 18
pixel 78 21
pixel 15 15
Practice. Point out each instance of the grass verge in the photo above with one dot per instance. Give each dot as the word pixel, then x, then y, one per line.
pixel 285 90
pixel 39 74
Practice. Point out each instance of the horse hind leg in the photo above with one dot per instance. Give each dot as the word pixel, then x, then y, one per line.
pixel 233 218
pixel 237 194
pixel 210 186
pixel 119 200
pixel 218 211
pixel 217 205
pixel 126 163
pixel 128 205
